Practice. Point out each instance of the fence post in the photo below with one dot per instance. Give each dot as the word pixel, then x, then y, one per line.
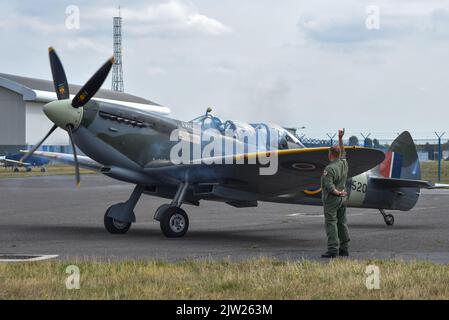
pixel 365 139
pixel 331 138
pixel 440 154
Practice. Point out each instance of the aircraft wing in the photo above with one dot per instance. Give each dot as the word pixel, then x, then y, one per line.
pixel 84 162
pixel 19 163
pixel 297 168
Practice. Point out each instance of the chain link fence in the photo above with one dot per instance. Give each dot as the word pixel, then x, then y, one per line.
pixel 428 150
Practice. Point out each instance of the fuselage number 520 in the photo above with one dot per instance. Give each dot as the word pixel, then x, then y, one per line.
pixel 359 186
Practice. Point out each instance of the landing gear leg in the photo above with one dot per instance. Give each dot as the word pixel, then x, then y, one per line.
pixel 119 217
pixel 174 221
pixel 388 218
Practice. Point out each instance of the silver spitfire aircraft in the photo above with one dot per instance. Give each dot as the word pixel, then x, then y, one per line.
pixel 137 147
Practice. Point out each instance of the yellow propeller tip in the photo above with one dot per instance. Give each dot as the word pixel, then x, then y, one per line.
pixel 113 60
pixel 50 49
pixel 78 185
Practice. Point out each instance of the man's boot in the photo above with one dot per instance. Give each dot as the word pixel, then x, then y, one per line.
pixel 329 255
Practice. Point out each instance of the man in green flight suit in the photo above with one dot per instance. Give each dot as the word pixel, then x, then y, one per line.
pixel 333 183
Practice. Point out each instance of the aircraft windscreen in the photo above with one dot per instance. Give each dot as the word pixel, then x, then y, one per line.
pixel 283 138
pixel 286 134
pixel 264 136
pixel 208 122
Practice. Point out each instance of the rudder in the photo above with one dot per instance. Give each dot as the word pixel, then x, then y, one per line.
pixel 401 159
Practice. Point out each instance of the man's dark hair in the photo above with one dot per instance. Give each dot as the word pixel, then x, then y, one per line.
pixel 334 151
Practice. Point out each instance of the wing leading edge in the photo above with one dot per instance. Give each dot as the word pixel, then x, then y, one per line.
pixel 85 162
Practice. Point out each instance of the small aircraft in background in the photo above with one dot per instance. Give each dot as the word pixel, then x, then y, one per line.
pixel 13 161
pixel 135 146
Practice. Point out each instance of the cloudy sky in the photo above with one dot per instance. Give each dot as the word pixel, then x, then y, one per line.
pixel 296 63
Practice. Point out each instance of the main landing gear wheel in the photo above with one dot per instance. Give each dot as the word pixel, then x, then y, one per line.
pixel 115 226
pixel 174 222
pixel 388 218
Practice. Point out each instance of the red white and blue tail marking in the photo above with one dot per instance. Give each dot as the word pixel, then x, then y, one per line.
pixel 391 167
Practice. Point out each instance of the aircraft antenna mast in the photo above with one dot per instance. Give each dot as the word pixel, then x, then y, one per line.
pixel 117 71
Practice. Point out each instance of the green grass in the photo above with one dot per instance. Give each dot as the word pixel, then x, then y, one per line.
pixel 50 171
pixel 252 279
pixel 429 171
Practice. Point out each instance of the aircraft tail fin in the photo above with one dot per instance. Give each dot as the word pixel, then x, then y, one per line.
pixel 401 159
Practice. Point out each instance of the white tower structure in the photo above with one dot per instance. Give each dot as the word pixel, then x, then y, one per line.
pixel 117 71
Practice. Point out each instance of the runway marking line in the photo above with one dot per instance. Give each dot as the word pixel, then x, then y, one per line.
pixel 424 208
pixel 26 257
pixel 320 215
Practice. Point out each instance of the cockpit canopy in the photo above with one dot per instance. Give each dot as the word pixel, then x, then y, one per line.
pixel 271 134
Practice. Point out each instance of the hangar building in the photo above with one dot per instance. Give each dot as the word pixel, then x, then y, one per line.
pixel 23 122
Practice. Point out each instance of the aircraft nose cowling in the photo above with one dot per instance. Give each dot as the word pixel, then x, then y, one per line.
pixel 62 113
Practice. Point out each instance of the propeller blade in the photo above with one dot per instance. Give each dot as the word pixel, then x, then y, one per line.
pixel 30 153
pixel 59 77
pixel 93 85
pixel 77 167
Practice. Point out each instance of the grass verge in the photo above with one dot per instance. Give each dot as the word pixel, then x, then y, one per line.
pixel 429 171
pixel 251 279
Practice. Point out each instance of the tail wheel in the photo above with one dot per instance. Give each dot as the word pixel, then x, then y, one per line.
pixel 174 222
pixel 115 226
pixel 389 219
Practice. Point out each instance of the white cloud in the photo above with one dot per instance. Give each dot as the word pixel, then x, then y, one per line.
pixel 155 71
pixel 439 22
pixel 337 29
pixel 221 68
pixel 14 22
pixel 87 44
pixel 172 18
pixel 397 21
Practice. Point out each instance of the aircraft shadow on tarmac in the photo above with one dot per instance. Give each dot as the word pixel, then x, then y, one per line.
pixel 275 237
pixel 396 227
pixel 238 237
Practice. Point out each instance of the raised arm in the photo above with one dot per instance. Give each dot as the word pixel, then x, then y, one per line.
pixel 341 133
